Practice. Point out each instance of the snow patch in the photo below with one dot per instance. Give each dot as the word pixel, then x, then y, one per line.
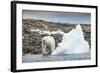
pixel 48 32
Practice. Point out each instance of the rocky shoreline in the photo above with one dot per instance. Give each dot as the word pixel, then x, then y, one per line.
pixel 31 40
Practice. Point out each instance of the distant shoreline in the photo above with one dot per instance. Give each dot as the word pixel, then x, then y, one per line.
pixel 56 22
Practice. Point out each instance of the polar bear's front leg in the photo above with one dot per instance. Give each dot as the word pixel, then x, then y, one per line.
pixel 43 48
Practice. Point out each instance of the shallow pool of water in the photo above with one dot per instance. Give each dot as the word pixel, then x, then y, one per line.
pixel 29 58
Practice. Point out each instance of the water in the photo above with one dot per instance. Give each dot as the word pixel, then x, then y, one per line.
pixel 29 58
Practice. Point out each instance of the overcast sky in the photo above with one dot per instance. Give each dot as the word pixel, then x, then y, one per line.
pixel 62 17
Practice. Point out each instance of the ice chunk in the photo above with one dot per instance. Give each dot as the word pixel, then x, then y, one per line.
pixel 72 43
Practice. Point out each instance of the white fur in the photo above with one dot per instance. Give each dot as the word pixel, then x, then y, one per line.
pixel 48 40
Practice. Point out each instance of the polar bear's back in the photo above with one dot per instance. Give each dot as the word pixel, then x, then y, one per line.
pixel 48 39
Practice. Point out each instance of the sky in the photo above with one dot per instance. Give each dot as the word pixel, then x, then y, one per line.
pixel 61 17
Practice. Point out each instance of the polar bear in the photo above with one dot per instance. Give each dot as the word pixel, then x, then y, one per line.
pixel 48 45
